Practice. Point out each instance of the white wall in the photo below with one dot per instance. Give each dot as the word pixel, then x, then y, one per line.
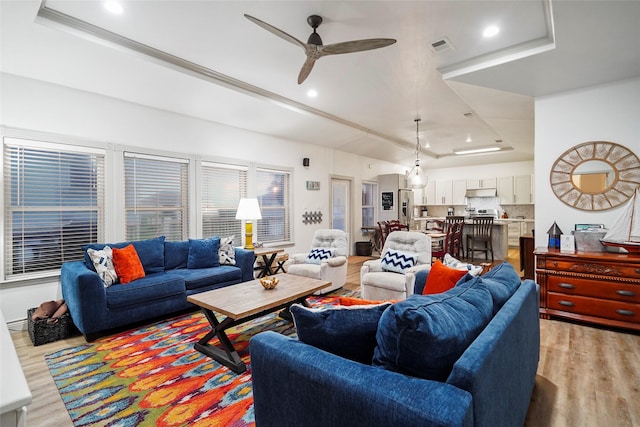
pixel 37 106
pixel 609 112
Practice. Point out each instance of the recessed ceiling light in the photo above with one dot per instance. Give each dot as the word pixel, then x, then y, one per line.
pixel 490 31
pixel 113 6
pixel 469 139
pixel 312 93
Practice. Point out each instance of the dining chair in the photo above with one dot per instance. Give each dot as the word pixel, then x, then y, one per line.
pixel 481 233
pixel 452 242
pixel 457 249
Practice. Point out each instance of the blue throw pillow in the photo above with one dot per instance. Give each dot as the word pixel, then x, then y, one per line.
pixel 425 335
pixel 176 254
pixel 398 261
pixel 501 281
pixel 203 253
pixel 346 331
pixel 318 255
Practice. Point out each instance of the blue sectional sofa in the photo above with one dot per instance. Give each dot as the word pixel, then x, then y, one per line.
pixel 490 384
pixel 168 281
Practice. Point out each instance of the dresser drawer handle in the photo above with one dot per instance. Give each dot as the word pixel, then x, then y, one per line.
pixel 566 303
pixel 566 286
pixel 625 293
pixel 625 312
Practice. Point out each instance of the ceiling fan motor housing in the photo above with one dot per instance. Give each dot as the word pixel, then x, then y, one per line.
pixel 314 21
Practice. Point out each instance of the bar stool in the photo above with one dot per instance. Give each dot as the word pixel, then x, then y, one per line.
pixel 482 232
pixel 450 220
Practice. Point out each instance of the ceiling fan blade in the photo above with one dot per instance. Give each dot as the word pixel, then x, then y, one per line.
pixel 356 46
pixel 275 31
pixel 306 69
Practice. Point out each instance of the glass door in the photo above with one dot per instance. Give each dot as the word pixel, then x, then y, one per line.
pixel 340 202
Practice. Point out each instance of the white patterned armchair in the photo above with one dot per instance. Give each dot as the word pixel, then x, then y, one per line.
pixel 327 259
pixel 392 277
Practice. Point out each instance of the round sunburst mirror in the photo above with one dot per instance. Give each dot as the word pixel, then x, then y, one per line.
pixel 595 176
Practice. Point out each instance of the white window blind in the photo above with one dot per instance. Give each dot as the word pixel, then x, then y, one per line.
pixel 53 202
pixel 156 197
pixel 369 190
pixel 274 196
pixel 222 188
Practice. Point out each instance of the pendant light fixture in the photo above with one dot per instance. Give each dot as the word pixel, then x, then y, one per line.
pixel 416 178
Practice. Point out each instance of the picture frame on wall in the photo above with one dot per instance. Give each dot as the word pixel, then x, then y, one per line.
pixel 387 200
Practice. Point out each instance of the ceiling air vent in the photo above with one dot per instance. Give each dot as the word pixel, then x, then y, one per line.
pixel 441 45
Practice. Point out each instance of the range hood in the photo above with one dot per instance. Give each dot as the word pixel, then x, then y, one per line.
pixel 481 192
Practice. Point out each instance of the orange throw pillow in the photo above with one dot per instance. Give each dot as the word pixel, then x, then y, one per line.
pixel 358 301
pixel 441 278
pixel 127 264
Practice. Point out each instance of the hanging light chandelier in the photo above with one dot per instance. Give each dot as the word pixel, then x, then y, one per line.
pixel 416 178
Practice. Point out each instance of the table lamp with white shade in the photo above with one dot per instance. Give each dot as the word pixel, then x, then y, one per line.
pixel 248 210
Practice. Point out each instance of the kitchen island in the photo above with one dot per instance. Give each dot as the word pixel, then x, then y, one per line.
pixel 499 240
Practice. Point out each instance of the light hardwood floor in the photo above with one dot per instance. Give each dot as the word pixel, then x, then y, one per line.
pixel 587 376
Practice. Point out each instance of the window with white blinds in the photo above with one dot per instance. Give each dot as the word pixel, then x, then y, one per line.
pixel 156 197
pixel 223 186
pixel 369 190
pixel 53 204
pixel 274 196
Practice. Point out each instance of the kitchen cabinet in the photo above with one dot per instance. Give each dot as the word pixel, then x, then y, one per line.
pixel 514 233
pixel 515 190
pixel 444 192
pixel 481 183
pixel 459 188
pixel 506 192
pixel 429 193
pixel 522 187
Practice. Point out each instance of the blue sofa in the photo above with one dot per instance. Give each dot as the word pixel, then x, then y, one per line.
pixel 96 309
pixel 489 385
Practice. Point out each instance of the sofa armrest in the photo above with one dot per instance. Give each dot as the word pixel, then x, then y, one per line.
pixel 337 261
pixel 297 384
pixel 503 360
pixel 85 295
pixel 370 266
pixel 244 260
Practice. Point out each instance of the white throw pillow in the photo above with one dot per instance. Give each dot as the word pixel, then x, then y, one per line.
pixel 450 261
pixel 103 263
pixel 318 255
pixel 227 253
pixel 398 261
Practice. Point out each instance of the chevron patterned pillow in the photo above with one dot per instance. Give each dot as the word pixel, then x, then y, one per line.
pixel 317 255
pixel 398 261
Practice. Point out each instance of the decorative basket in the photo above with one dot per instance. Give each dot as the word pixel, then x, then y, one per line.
pixel 42 332
pixel 269 282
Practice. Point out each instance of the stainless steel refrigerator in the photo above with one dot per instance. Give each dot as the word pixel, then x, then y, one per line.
pixel 396 200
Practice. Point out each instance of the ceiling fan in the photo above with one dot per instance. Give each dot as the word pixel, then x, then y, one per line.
pixel 314 49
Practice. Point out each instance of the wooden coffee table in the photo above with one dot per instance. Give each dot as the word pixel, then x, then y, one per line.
pixel 244 302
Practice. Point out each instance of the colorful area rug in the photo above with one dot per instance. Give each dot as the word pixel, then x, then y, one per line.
pixel 153 376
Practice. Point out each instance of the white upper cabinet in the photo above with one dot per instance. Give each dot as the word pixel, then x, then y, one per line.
pixel 444 192
pixel 523 192
pixel 459 188
pixel 473 183
pixel 506 192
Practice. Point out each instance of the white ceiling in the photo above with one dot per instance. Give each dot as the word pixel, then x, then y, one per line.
pixel 204 59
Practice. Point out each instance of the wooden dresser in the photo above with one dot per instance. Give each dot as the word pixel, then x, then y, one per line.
pixel 595 287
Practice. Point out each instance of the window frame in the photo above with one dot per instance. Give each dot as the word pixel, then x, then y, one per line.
pixel 287 222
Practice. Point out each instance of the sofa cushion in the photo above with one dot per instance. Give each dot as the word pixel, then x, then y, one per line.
pixel 203 253
pixel 318 255
pixel 150 252
pixel 176 254
pixel 347 331
pixel 398 261
pixel 127 264
pixel 441 278
pixel 452 262
pixel 425 335
pixel 204 277
pixel 140 292
pixel 501 281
